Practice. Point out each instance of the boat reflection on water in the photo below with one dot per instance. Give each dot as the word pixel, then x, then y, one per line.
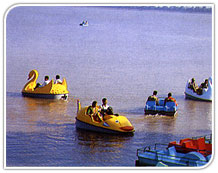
pixel 101 141
pixel 101 148
pixel 34 112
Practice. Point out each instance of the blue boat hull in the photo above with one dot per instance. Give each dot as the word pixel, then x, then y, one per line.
pixel 151 112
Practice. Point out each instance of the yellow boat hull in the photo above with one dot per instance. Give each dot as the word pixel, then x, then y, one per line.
pixel 110 124
pixel 46 96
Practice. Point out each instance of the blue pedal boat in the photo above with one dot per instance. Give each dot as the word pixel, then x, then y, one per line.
pixel 169 109
pixel 169 157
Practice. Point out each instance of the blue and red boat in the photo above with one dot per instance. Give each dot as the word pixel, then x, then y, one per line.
pixel 188 152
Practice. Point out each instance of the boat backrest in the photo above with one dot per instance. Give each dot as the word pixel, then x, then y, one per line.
pixel 172 143
pixel 170 104
pixel 172 151
pixel 209 85
pixel 209 147
pixel 151 103
pixel 210 79
pixel 201 144
pixel 187 144
pixel 184 140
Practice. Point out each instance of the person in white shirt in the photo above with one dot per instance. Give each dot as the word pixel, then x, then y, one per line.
pixel 46 82
pixel 104 106
pixel 58 80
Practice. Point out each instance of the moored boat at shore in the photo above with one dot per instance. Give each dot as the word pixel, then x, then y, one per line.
pixel 49 91
pixel 201 144
pixel 170 157
pixel 194 151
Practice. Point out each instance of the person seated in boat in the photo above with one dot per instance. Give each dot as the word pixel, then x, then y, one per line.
pixel 58 80
pixel 192 85
pixel 154 97
pixel 83 23
pixel 104 106
pixel 46 82
pixel 170 99
pixel 93 112
pixel 203 85
pixel 109 111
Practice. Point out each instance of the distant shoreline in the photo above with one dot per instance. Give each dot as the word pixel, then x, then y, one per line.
pixel 189 9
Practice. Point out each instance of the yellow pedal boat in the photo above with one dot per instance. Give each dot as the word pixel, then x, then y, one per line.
pixel 115 124
pixel 50 91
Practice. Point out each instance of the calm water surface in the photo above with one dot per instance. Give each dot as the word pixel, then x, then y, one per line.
pixel 123 54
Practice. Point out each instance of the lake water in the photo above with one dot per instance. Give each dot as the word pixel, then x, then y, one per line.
pixel 124 54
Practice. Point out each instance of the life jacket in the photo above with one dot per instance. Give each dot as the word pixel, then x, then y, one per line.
pixel 171 99
pixel 152 98
pixel 92 110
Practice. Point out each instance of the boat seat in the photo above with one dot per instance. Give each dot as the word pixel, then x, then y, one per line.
pixel 159 108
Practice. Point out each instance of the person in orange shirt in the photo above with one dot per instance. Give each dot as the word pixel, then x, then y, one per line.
pixel 169 99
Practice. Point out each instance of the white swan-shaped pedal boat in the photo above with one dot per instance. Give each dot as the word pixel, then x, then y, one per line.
pixel 206 94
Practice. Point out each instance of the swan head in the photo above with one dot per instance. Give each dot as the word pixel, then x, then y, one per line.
pixel 32 73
